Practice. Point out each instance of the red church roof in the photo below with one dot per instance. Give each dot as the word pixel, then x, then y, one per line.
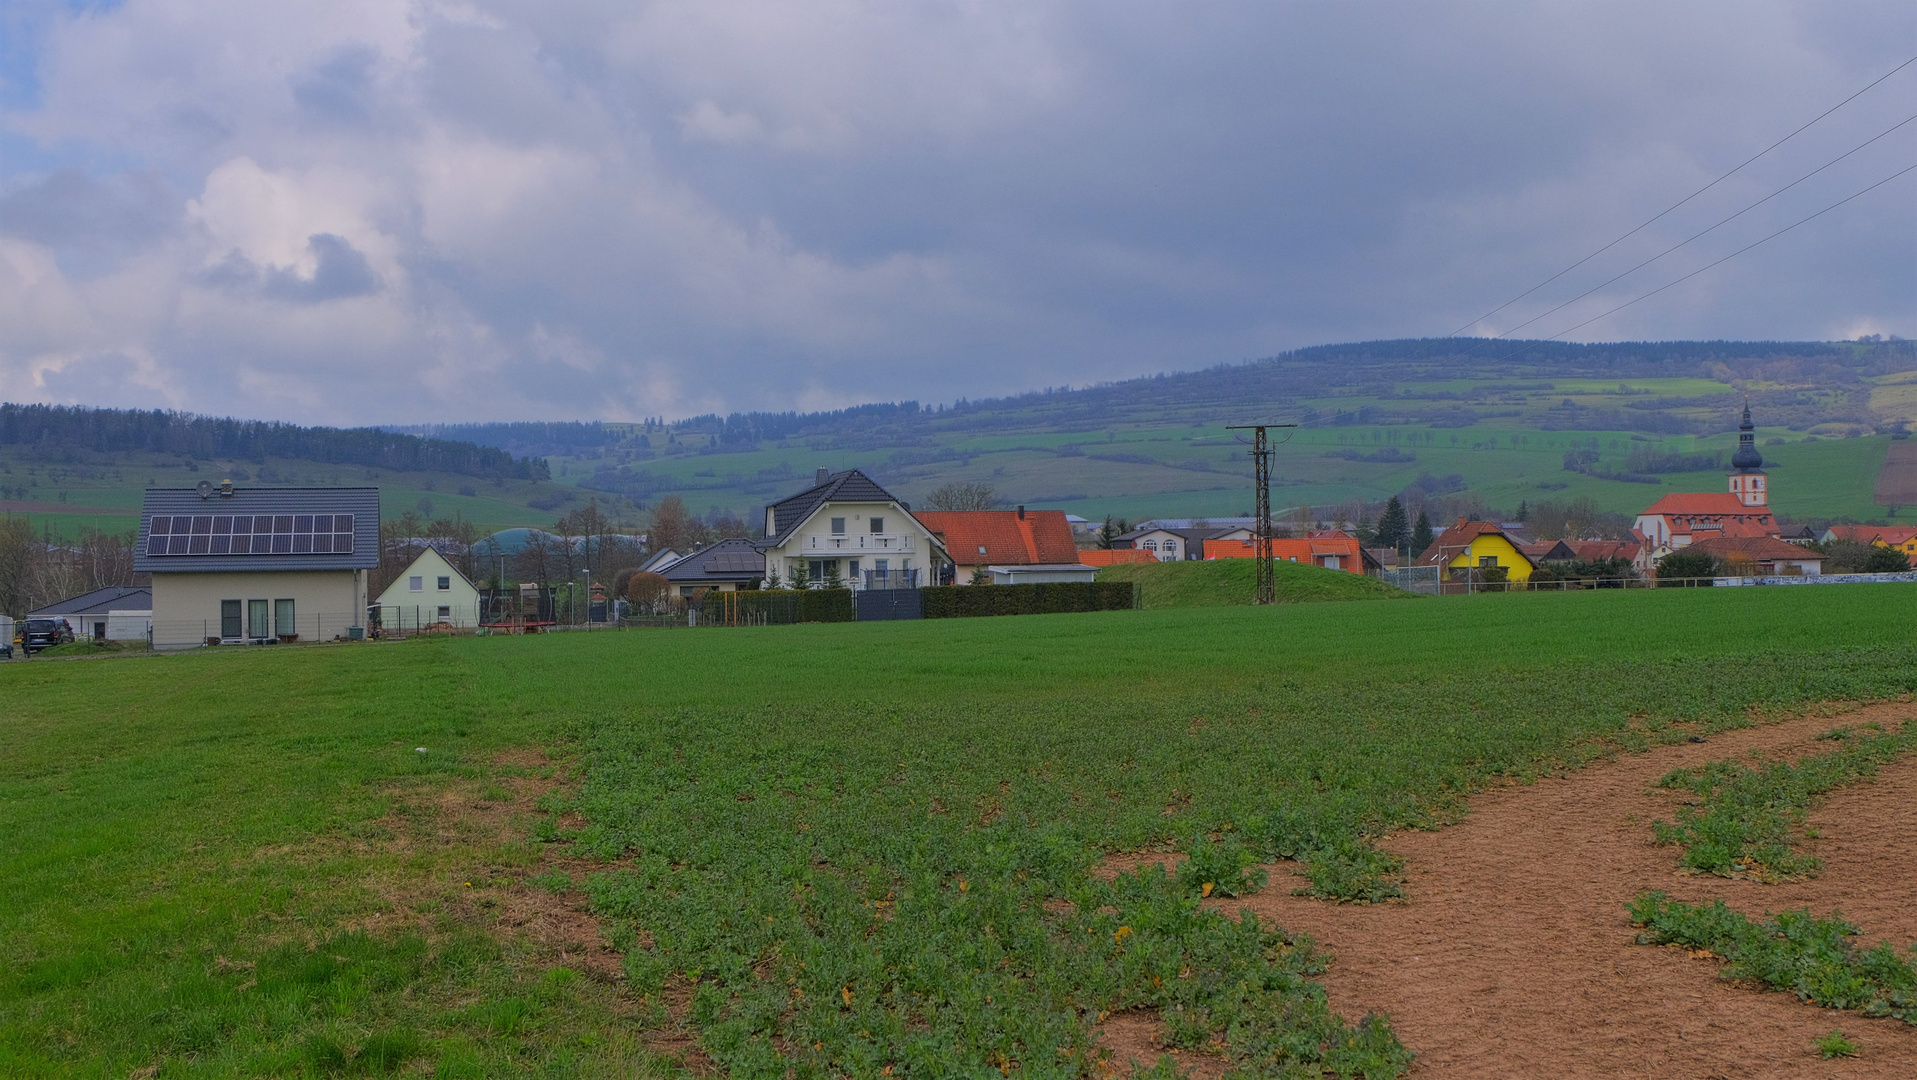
pixel 1003 537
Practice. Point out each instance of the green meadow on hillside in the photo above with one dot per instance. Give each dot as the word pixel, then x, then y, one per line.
pixel 1232 582
pixel 841 849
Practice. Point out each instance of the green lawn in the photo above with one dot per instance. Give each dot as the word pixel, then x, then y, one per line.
pixel 838 847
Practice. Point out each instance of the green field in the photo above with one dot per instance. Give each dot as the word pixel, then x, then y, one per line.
pixel 831 849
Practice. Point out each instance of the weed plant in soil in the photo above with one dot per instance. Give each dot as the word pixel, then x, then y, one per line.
pixel 1814 958
pixel 1746 815
pixel 838 848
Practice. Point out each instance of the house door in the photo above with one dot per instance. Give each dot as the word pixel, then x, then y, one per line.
pixel 258 619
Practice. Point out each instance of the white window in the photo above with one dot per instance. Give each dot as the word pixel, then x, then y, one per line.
pixel 1150 545
pixel 445 612
pixel 1331 562
pixel 415 584
pixel 838 526
pixel 445 584
pixel 881 565
pixel 878 524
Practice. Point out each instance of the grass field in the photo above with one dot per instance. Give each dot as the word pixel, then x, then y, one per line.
pixel 839 848
pixel 1223 582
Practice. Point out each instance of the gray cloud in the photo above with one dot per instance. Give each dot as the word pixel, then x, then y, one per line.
pixel 617 210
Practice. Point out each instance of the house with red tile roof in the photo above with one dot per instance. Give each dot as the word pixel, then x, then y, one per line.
pixel 1332 549
pixel 1901 537
pixel 1679 520
pixel 1764 556
pixel 1468 549
pixel 979 539
pixel 1742 512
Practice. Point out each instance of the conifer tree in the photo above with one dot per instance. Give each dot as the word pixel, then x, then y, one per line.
pixel 1421 535
pixel 1392 529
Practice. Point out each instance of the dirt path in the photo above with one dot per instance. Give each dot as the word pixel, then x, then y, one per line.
pixel 1514 956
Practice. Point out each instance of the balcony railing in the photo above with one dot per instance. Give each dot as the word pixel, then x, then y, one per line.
pixel 891 579
pixel 860 542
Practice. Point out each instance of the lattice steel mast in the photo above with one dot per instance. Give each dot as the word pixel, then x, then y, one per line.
pixel 1267 591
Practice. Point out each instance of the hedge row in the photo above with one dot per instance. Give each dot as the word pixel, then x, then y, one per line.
pixel 962 601
pixel 777 607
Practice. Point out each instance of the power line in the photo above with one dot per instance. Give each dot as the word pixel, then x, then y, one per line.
pixel 1800 130
pixel 1707 266
pixel 1694 236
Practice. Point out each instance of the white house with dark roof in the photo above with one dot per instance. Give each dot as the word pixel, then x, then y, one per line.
pixel 257 564
pixel 115 613
pixel 848 522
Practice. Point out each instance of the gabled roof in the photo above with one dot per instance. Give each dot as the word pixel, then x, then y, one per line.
pixel 1540 550
pixel 1596 550
pixel 737 559
pixel 203 517
pixel 1756 548
pixel 1190 536
pixel 1891 535
pixel 1703 504
pixel 848 486
pixel 99 602
pixel 1003 537
pixel 1452 542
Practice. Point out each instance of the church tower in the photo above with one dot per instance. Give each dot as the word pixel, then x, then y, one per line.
pixel 1747 465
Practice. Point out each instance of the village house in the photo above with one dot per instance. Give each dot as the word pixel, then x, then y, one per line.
pixel 980 540
pixel 431 591
pixel 729 566
pixel 1332 549
pixel 847 523
pixel 1901 537
pixel 1761 556
pixel 1174 543
pixel 236 565
pixel 115 613
pixel 1477 551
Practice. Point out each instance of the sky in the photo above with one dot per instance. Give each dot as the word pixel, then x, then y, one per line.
pixel 354 212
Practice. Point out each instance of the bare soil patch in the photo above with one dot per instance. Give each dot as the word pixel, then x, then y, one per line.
pixel 1513 955
pixel 1135 1040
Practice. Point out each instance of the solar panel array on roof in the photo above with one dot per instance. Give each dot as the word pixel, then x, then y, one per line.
pixel 735 562
pixel 250 534
pixel 256 529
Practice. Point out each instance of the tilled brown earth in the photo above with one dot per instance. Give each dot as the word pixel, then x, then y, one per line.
pixel 1514 957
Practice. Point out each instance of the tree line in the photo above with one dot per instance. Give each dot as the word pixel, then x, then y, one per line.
pixel 35 570
pixel 56 428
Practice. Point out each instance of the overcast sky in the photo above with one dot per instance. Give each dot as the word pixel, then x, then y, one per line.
pixel 364 212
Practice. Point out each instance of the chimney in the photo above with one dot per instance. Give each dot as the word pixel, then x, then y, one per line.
pixel 1021 513
pixel 822 476
pixel 226 489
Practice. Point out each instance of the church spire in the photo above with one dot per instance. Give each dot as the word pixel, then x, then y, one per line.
pixel 1747 456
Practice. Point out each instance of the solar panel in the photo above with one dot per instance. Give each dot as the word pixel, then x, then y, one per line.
pixel 250 534
pixel 735 562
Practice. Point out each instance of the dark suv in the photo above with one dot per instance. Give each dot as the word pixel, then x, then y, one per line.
pixel 37 634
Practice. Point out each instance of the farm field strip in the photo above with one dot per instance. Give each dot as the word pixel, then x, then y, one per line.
pixel 827 848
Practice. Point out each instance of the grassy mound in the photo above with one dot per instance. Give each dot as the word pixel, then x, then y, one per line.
pixel 89 647
pixel 1230 581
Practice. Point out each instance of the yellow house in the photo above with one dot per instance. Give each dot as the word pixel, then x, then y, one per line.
pixel 1477 546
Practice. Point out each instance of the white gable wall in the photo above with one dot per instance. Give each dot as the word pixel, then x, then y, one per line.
pixel 416 597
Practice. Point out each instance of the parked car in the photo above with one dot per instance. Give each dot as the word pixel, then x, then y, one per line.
pixel 37 634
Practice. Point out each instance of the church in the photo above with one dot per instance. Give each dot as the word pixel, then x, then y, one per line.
pixel 1680 520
